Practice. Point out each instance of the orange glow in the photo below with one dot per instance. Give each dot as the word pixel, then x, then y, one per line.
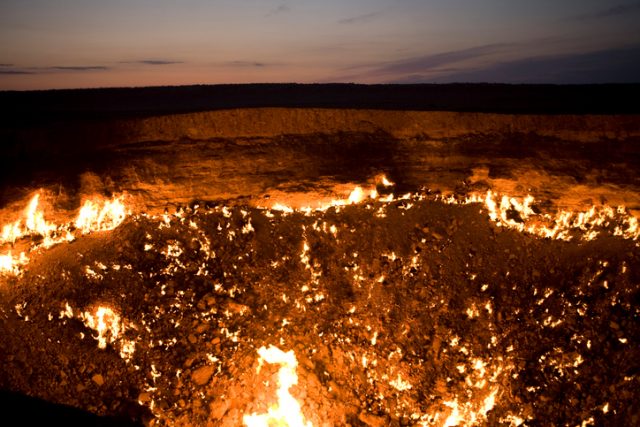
pixel 109 328
pixel 287 412
pixel 11 264
pixel 95 215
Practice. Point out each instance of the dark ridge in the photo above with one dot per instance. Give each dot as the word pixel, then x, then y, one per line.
pixel 33 107
pixel 30 411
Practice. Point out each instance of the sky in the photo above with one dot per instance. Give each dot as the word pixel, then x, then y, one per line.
pixel 51 44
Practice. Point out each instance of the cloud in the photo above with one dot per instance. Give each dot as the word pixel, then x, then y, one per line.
pixel 282 8
pixel 46 70
pixel 153 62
pixel 13 71
pixel 248 64
pixel 157 62
pixel 433 62
pixel 616 10
pixel 605 66
pixel 359 19
pixel 77 68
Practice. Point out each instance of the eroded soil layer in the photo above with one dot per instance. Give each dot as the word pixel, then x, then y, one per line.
pixel 411 312
pixel 569 161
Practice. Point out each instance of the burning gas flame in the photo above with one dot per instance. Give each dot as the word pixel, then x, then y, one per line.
pixel 94 215
pixel 34 224
pixel 109 328
pixel 287 412
pixel 105 322
pixel 510 212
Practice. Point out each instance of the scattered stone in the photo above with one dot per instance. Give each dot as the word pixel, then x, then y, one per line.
pixel 202 375
pixel 218 408
pixel 144 397
pixel 98 379
pixel 372 420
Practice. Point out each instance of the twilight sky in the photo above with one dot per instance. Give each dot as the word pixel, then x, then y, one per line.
pixel 48 44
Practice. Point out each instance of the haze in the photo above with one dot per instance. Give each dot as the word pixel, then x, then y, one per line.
pixel 46 44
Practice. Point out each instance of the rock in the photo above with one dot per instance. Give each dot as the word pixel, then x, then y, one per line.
pixel 614 325
pixel 202 328
pixel 202 375
pixel 372 420
pixel 218 408
pixel 98 379
pixel 144 397
pixel 238 308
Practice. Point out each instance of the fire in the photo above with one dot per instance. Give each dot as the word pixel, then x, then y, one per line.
pixel 94 215
pixel 105 322
pixel 287 411
pixel 11 264
pixel 34 224
pixel 510 212
pixel 110 327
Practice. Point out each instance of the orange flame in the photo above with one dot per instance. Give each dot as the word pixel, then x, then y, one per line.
pixel 110 328
pixel 287 412
pixel 93 216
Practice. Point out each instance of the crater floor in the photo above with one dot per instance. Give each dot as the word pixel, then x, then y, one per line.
pixel 409 312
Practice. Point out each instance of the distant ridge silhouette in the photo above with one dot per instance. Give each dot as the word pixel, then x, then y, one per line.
pixel 37 106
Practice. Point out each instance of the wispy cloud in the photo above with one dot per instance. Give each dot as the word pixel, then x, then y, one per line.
pixel 9 69
pixel 609 12
pixel 249 64
pixel 604 66
pixel 433 62
pixel 360 19
pixel 156 62
pixel 77 68
pixel 281 8
pixel 13 71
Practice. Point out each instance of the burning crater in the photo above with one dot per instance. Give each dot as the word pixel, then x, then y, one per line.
pixel 330 302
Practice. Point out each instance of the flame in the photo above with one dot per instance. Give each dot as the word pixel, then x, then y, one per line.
pixel 34 224
pixel 287 411
pixel 510 212
pixel 105 322
pixel 109 327
pixel 11 264
pixel 94 215
pixel 385 182
pixel 356 196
